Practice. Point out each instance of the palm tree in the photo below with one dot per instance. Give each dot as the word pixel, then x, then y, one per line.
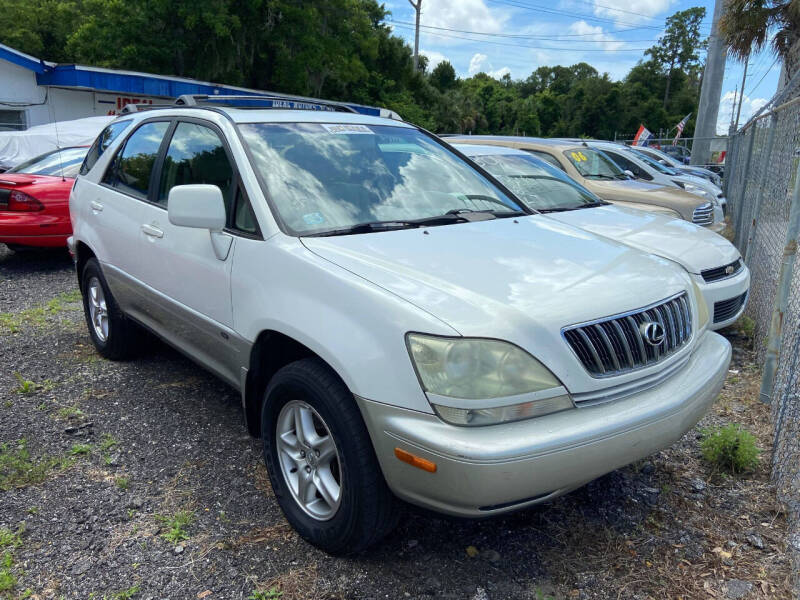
pixel 746 26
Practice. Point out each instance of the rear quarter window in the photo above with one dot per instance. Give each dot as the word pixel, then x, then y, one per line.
pixel 103 141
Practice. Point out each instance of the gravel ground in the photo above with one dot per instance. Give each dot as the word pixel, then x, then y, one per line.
pixel 101 460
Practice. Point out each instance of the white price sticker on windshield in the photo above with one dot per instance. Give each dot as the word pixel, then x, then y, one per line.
pixel 347 128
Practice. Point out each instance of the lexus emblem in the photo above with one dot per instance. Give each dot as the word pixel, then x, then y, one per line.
pixel 729 270
pixel 652 333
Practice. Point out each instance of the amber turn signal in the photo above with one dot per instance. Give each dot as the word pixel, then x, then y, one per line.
pixel 415 461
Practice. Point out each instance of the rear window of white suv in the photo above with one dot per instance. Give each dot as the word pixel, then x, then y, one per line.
pixel 322 177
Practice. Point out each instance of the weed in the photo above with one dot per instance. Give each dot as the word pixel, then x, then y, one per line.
pixel 131 513
pixel 9 404
pixel 269 594
pixel 17 469
pixel 33 510
pixel 107 442
pixel 79 449
pixel 37 316
pixel 124 594
pixel 8 541
pixel 177 525
pixel 11 539
pixel 747 326
pixel 122 482
pixel 70 412
pixel 730 448
pixel 26 386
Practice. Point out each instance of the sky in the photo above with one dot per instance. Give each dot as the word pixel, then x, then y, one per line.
pixel 518 36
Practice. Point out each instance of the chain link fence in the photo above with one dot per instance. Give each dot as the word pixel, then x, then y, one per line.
pixel 763 188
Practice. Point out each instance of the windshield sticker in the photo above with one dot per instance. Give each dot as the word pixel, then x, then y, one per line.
pixel 347 128
pixel 578 156
pixel 314 218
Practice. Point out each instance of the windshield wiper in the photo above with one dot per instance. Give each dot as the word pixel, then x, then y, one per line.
pixel 394 224
pixel 569 208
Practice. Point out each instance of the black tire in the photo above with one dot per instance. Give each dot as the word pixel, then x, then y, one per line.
pixel 368 510
pixel 124 337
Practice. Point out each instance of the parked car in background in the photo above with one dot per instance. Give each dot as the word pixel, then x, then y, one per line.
pixel 598 173
pixel 680 153
pixel 712 261
pixel 34 200
pixel 648 169
pixel 398 324
pixel 670 161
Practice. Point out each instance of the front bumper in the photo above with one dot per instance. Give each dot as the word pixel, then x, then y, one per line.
pixel 482 471
pixel 720 293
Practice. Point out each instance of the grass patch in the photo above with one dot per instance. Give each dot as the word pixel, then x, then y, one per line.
pixel 8 541
pixel 124 594
pixel 107 442
pixel 27 387
pixel 747 326
pixel 269 594
pixel 730 448
pixel 122 482
pixel 71 412
pixel 80 449
pixel 18 469
pixel 13 322
pixel 176 525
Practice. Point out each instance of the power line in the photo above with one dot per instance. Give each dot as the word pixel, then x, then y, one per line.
pixel 557 49
pixel 752 89
pixel 524 36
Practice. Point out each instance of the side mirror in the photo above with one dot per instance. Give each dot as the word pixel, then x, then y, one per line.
pixel 629 173
pixel 199 206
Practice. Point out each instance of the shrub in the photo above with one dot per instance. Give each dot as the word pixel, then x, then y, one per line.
pixel 730 448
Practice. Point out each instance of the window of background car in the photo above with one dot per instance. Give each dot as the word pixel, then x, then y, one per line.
pixel 103 141
pixel 658 166
pixel 548 158
pixel 58 163
pixel 322 177
pixel 625 163
pixel 593 164
pixel 540 186
pixel 131 169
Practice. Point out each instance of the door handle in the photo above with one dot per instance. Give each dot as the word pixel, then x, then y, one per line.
pixel 152 231
pixel 96 206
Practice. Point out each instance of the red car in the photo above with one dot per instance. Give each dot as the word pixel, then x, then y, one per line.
pixel 34 199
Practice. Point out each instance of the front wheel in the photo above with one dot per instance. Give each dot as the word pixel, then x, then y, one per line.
pixel 321 463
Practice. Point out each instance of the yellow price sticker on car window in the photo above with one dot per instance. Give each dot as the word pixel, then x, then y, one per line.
pixel 578 156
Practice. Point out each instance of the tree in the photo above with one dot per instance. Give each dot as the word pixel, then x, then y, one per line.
pixel 746 27
pixel 443 76
pixel 679 45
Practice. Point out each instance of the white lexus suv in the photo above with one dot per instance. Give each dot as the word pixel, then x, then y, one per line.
pixel 398 325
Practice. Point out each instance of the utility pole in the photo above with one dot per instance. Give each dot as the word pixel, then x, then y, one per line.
pixel 741 96
pixel 710 92
pixel 418 9
pixel 732 127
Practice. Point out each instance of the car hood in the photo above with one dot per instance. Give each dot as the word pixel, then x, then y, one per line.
pixel 647 193
pixel 693 247
pixel 512 279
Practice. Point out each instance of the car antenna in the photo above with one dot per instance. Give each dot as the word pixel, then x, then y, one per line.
pixel 58 142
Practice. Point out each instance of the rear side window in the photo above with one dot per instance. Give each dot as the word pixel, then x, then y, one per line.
pixel 631 166
pixel 103 141
pixel 131 169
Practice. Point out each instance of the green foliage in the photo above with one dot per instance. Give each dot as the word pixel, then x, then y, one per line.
pixel 8 541
pixel 176 525
pixel 107 442
pixel 270 594
pixel 13 322
pixel 18 469
pixel 343 50
pixel 124 594
pixel 747 326
pixel 26 386
pixel 122 482
pixel 730 448
pixel 80 449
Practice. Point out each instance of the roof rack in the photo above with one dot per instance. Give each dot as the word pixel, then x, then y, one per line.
pixel 264 101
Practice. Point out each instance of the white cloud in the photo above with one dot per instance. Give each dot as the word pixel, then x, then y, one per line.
pixel 468 15
pixel 479 63
pixel 726 109
pixel 628 12
pixel 591 33
pixel 434 58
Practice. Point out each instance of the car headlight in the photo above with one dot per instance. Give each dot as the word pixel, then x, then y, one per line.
pixel 703 315
pixel 472 381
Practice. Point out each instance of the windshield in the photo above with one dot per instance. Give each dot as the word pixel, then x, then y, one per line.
pixel 60 163
pixel 655 164
pixel 593 164
pixel 540 186
pixel 330 177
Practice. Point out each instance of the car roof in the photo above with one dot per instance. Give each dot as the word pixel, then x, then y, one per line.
pixel 483 150
pixel 517 141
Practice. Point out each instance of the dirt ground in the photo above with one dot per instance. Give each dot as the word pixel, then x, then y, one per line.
pixel 138 480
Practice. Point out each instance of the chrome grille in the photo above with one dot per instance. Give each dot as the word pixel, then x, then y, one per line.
pixel 615 345
pixel 718 273
pixel 703 214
